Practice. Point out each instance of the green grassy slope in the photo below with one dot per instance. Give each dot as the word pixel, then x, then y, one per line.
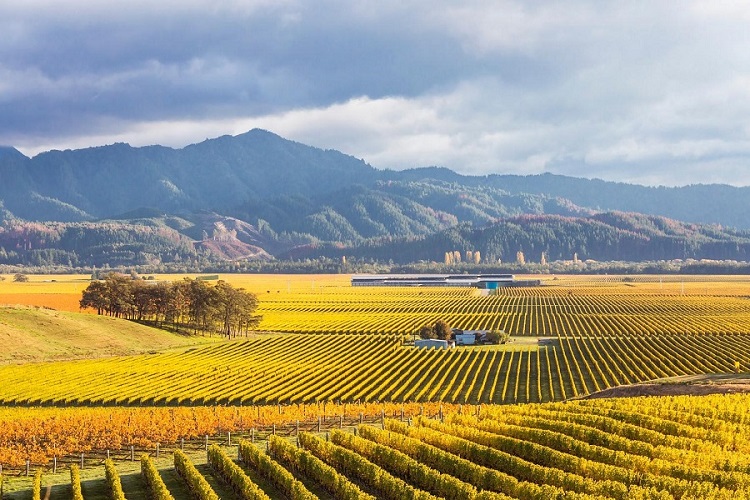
pixel 29 334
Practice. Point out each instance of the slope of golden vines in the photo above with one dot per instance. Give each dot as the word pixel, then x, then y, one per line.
pixel 681 447
pixel 38 434
pixel 693 438
pixel 539 311
pixel 664 447
pixel 317 367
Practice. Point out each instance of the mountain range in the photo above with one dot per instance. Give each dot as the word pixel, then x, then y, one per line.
pixel 257 196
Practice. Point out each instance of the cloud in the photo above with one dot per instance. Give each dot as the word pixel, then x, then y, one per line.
pixel 638 91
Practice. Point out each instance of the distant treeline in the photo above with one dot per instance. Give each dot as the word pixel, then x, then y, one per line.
pixel 110 243
pixel 325 265
pixel 186 304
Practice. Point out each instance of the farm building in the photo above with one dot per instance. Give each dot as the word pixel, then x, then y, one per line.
pixel 433 344
pixel 473 337
pixel 469 337
pixel 465 339
pixel 485 281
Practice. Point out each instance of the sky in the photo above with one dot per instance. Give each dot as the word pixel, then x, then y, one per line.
pixel 647 92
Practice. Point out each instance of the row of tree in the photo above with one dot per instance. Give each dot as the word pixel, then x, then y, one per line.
pixel 454 257
pixel 187 304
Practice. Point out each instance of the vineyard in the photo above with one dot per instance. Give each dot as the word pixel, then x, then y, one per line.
pixel 568 308
pixel 573 336
pixel 329 353
pixel 567 305
pixel 40 434
pixel 309 368
pixel 685 447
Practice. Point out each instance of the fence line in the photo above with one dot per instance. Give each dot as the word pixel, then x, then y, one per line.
pixel 95 458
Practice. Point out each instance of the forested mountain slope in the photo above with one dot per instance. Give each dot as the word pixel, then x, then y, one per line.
pixel 259 196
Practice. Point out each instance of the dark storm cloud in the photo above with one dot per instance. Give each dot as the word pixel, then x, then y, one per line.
pixel 162 64
pixel 653 92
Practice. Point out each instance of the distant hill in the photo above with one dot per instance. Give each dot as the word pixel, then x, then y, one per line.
pixel 609 236
pixel 137 240
pixel 259 196
pixel 216 174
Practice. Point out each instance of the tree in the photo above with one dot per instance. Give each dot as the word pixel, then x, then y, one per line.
pixel 20 278
pixel 178 303
pixel 201 300
pixel 95 297
pixel 235 309
pixel 520 259
pixel 442 330
pixel 496 337
pixel 119 291
pixel 426 332
pixel 220 308
pixel 142 301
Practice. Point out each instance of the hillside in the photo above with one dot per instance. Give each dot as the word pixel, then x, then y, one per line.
pixel 257 196
pixel 216 174
pixel 227 172
pixel 610 236
pixel 29 334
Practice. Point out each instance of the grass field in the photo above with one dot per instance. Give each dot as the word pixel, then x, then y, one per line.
pixel 30 334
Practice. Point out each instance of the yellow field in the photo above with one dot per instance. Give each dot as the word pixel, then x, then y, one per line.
pixel 62 292
pixel 584 334
pixel 664 448
pixel 564 305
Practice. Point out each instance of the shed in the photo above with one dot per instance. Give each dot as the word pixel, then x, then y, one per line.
pixel 466 338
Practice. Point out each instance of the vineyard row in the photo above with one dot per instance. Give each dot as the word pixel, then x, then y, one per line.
pixel 666 448
pixel 316 368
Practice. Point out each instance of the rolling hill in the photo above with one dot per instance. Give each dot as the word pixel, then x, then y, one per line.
pixel 31 334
